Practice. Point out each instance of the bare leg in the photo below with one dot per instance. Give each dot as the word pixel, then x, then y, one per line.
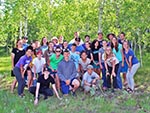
pixel 13 85
pixel 30 78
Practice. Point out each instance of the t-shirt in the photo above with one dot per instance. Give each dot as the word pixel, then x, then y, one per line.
pixel 131 53
pixel 24 61
pixel 84 64
pixel 25 45
pixel 118 54
pixel 54 61
pixel 44 83
pixel 95 53
pixel 43 48
pixel 38 63
pixel 88 52
pixel 88 78
pixel 75 58
pixel 18 54
pixel 102 51
pixel 110 60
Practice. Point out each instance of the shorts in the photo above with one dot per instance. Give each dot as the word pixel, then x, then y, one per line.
pixel 65 88
pixel 125 68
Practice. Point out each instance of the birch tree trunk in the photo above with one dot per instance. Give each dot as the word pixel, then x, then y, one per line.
pixel 20 30
pixel 101 2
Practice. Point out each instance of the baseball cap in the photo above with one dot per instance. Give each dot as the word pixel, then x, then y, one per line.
pixel 89 67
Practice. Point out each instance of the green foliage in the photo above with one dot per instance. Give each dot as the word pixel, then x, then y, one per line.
pixel 45 18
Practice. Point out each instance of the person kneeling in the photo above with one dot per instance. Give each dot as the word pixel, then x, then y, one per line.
pixel 42 87
pixel 90 79
pixel 67 73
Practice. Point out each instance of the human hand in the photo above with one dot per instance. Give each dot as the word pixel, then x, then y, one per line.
pixel 113 74
pixel 67 82
pixel 36 102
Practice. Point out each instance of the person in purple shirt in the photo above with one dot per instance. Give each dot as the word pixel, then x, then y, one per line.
pixel 20 69
pixel 133 65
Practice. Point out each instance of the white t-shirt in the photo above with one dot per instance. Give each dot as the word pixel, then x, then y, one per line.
pixel 84 64
pixel 110 60
pixel 89 78
pixel 38 64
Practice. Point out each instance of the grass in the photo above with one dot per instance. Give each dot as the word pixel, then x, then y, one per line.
pixel 110 102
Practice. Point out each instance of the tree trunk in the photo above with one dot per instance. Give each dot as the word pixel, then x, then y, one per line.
pixel 101 2
pixel 20 30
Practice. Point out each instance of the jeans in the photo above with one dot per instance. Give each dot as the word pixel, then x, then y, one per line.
pixel 21 81
pixel 115 85
pixel 130 75
pixel 45 91
pixel 119 80
pixel 104 75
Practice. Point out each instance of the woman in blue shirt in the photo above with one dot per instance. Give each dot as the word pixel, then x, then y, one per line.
pixel 133 65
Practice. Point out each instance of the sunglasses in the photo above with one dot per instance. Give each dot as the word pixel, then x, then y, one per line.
pixel 58 51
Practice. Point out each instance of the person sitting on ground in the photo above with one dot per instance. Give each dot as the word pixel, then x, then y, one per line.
pixel 90 79
pixel 42 86
pixel 67 73
pixel 20 69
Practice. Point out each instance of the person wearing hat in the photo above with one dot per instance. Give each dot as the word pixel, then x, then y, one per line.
pixel 42 86
pixel 90 79
pixel 100 38
pixel 24 42
pixel 67 73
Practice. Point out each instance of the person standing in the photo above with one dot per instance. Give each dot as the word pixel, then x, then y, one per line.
pixel 16 54
pixel 20 69
pixel 133 65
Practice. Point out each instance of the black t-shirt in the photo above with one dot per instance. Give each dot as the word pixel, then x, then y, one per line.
pixel 18 53
pixel 95 53
pixel 44 83
pixel 88 52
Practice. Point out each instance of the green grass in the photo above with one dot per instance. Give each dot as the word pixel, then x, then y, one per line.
pixel 116 102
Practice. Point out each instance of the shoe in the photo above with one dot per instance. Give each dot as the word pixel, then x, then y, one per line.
pixel 45 97
pixel 74 94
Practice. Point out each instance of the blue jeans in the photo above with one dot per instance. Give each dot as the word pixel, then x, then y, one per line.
pixel 21 81
pixel 119 80
pixel 104 76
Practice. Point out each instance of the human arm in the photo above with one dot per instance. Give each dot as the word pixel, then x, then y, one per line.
pixel 54 88
pixel 37 93
pixel 12 59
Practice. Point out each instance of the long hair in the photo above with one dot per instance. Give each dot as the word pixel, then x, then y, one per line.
pixel 42 41
pixel 116 45
pixel 93 44
pixel 17 42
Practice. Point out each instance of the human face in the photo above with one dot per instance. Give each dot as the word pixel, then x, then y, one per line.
pixel 73 48
pixel 66 55
pixel 84 55
pixel 19 44
pixel 90 71
pixel 87 39
pixel 110 37
pixel 58 51
pixel 87 45
pixel 122 37
pixel 114 41
pixel 125 45
pixel 100 36
pixel 108 50
pixel 65 44
pixel 29 52
pixel 44 40
pixel 96 44
pixel 104 43
pixel 51 45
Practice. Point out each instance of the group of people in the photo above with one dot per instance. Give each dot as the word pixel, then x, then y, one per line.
pixel 66 66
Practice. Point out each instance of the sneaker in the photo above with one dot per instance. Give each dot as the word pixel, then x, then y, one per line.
pixel 74 94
